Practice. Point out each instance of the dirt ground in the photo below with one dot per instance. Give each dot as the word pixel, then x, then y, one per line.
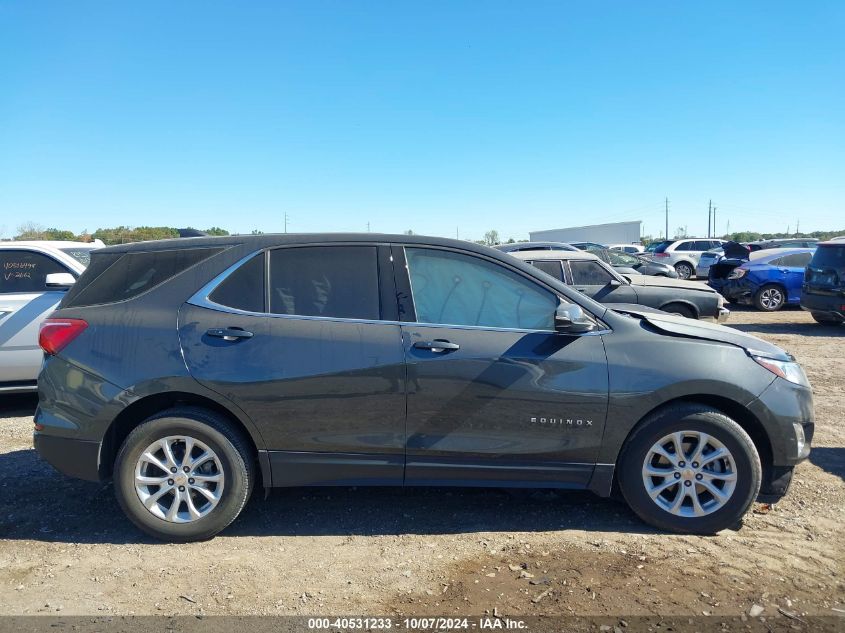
pixel 66 548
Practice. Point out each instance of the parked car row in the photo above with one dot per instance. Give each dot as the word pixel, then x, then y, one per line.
pixel 191 371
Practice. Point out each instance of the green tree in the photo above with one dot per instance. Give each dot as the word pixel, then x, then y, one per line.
pixel 491 237
pixel 216 230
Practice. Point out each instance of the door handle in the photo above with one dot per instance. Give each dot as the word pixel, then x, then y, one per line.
pixel 438 346
pixel 229 333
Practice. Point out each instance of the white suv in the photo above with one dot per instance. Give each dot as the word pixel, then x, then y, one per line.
pixel 35 276
pixel 682 254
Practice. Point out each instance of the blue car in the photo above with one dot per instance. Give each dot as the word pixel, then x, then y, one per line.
pixel 770 281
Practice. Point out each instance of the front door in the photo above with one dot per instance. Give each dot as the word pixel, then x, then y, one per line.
pixel 495 395
pixel 310 358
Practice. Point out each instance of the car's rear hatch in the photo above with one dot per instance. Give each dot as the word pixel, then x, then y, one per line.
pixel 826 271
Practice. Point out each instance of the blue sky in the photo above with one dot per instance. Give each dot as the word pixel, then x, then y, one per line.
pixel 432 116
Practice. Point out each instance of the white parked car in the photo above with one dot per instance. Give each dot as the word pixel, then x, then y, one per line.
pixel 682 254
pixel 35 276
pixel 631 249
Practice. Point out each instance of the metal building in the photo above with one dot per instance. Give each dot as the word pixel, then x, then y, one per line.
pixel 612 233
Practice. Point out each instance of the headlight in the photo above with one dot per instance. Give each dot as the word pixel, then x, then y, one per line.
pixel 737 273
pixel 788 370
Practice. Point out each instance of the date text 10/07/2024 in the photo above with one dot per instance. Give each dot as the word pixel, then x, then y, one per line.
pixel 414 624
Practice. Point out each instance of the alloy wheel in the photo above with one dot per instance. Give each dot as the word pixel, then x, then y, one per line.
pixel 689 474
pixel 771 298
pixel 179 479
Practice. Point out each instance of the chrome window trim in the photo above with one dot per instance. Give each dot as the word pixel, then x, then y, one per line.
pixel 201 299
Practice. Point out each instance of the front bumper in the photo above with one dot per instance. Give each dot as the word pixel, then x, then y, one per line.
pixel 74 458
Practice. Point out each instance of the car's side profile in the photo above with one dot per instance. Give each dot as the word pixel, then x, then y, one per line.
pixel 35 277
pixel 770 280
pixel 682 254
pixel 191 371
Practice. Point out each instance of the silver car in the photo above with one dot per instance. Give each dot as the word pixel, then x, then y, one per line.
pixel 682 254
pixel 35 276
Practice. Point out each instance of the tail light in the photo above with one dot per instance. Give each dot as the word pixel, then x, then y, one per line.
pixel 56 334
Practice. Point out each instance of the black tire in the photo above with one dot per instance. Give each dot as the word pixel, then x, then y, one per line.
pixel 684 270
pixel 230 445
pixel 680 309
pixel 689 418
pixel 825 319
pixel 770 298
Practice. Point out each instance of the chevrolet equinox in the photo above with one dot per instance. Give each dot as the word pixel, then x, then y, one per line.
pixel 190 370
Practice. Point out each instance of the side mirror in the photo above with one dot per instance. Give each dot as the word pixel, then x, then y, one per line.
pixel 59 280
pixel 570 319
pixel 614 283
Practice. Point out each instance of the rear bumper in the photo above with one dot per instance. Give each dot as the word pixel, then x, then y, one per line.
pixel 74 458
pixel 832 304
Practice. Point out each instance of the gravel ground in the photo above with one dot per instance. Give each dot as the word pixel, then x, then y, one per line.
pixel 66 548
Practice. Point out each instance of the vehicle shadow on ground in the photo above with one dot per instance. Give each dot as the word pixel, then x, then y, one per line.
pixel 18 405
pixel 804 329
pixel 42 505
pixel 830 459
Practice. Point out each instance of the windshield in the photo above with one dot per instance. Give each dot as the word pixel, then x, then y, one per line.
pixel 618 258
pixel 80 254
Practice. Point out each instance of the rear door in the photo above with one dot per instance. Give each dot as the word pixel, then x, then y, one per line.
pixel 792 273
pixel 25 301
pixel 495 395
pixel 305 340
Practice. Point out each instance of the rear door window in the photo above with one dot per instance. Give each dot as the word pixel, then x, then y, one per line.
pixel 456 289
pixel 701 245
pixel 325 281
pixel 684 246
pixel 589 273
pixel 26 271
pixel 244 289
pixel 796 260
pixel 550 267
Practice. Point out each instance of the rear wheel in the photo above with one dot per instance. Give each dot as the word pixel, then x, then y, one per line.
pixel 690 469
pixel 184 474
pixel 684 270
pixel 770 298
pixel 826 319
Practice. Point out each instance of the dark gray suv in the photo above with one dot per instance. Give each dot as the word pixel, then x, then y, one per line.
pixel 190 371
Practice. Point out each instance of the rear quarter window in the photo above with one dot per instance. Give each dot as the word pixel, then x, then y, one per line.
pixel 131 274
pixel 26 271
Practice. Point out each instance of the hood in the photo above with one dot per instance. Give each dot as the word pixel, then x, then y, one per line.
pixel 665 282
pixel 735 250
pixel 682 326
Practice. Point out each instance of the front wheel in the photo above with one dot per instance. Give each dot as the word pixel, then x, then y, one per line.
pixel 690 469
pixel 184 474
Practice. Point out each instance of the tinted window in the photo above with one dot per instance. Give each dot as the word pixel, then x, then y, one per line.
pixel 455 289
pixel 550 268
pixel 586 273
pixel 701 245
pixel 684 246
pixel 134 273
pixel 830 256
pixel 26 271
pixel 82 255
pixel 799 260
pixel 326 281
pixel 658 247
pixel 244 288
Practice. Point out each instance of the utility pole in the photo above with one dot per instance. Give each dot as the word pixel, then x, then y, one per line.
pixel 286 222
pixel 709 213
pixel 714 222
pixel 797 227
pixel 667 218
pixel 368 227
pixel 457 237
